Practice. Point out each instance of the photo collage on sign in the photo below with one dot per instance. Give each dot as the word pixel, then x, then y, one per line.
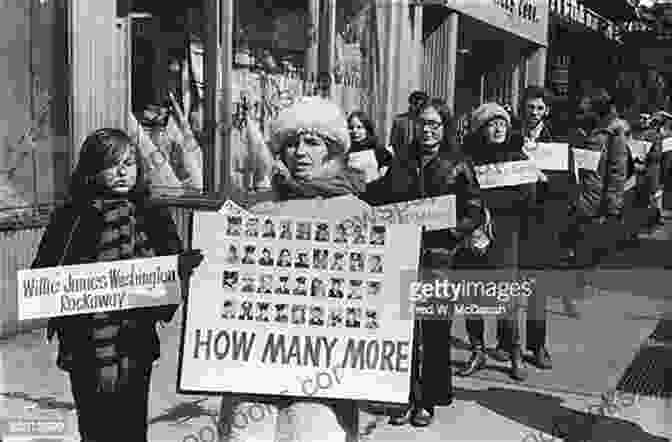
pixel 327 273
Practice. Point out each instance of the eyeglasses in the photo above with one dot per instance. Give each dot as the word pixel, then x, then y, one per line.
pixel 433 125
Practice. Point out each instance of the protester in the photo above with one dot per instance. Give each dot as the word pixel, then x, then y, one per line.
pixel 404 127
pixel 598 208
pixel 108 217
pixel 323 86
pixel 363 138
pixel 542 246
pixel 433 168
pixel 512 208
pixel 312 140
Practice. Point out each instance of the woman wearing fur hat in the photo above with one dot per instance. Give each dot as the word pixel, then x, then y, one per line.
pixel 310 140
pixel 511 207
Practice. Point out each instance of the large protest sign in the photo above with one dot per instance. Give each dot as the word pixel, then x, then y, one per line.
pixel 549 156
pixel 512 173
pixel 279 298
pixel 100 287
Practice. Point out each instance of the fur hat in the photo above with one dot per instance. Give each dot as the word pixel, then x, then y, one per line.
pixel 487 112
pixel 313 114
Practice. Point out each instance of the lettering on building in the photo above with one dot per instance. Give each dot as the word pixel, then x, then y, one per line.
pixel 526 10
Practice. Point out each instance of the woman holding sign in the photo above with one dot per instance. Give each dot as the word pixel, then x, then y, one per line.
pixel 311 141
pixel 431 168
pixel 512 201
pixel 109 356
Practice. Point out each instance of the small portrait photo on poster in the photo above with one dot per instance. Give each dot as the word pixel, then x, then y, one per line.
pixel 233 254
pixel 336 290
pixel 302 260
pixel 373 288
pixel 282 313
pixel 378 235
pixel 375 264
pixel 285 230
pixel 358 235
pixel 230 280
pixel 249 255
pixel 283 285
pixel 316 316
pixel 246 313
pixel 266 258
pixel 248 283
pixel 252 227
pixel 234 225
pixel 338 262
pixel 335 318
pixel 353 317
pixel 284 258
pixel 263 312
pixel 355 288
pixel 371 319
pixel 303 231
pixel 298 314
pixel 322 232
pixel 229 310
pixel 268 229
pixel 320 259
pixel 340 234
pixel 318 288
pixel 301 286
pixel 265 284
pixel 356 262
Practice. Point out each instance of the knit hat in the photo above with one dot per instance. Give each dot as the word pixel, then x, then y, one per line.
pixel 487 112
pixel 311 114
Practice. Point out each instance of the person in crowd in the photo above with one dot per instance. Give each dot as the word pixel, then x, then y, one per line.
pixel 323 87
pixel 311 176
pixel 404 127
pixel 109 217
pixel 513 209
pixel 432 168
pixel 363 138
pixel 542 247
pixel 598 207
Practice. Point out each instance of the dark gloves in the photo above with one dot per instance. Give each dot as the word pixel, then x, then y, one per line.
pixel 187 262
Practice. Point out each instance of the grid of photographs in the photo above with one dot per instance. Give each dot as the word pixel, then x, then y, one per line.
pixel 334 263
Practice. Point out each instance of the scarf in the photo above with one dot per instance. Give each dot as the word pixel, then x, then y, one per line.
pixel 344 182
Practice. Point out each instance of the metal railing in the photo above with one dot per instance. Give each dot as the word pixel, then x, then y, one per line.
pixel 576 12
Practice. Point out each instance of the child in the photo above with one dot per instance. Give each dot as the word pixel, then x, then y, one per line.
pixel 108 217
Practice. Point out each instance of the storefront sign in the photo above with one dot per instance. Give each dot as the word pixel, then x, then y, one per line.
pixel 525 18
pixel 511 173
pixel 278 298
pixel 587 159
pixel 549 156
pixel 100 287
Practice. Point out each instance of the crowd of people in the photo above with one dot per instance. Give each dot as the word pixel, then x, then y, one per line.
pixel 574 217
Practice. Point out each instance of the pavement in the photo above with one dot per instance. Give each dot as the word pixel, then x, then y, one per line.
pixel 590 356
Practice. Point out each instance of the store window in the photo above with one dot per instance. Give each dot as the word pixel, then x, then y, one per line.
pixel 34 161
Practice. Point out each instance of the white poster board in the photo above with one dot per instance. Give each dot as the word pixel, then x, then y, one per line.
pixel 667 144
pixel 549 156
pixel 639 148
pixel 587 159
pixel 511 173
pixel 101 287
pixel 365 161
pixel 280 299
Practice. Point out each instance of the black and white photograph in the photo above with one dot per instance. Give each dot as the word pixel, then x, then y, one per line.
pixel 302 259
pixel 316 316
pixel 353 317
pixel 252 227
pixel 266 258
pixel 318 288
pixel 263 312
pixel 249 255
pixel 335 317
pixel 355 289
pixel 375 264
pixel 338 262
pixel 246 312
pixel 265 286
pixel 234 226
pixel 248 283
pixel 285 230
pixel 229 310
pixel 356 262
pixel 336 288
pixel 358 235
pixel 322 232
pixel 230 280
pixel 284 258
pixel 298 314
pixel 340 234
pixel 268 229
pixel 320 259
pixel 233 255
pixel 282 285
pixel 303 231
pixel 373 288
pixel 371 319
pixel 300 286
pixel 281 313
pixel 378 235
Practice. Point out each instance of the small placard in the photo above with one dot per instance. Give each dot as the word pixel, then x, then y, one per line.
pixel 549 156
pixel 587 159
pixel 512 173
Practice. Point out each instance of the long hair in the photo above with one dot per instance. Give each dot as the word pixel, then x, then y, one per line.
pixel 103 149
pixel 448 143
pixel 367 122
